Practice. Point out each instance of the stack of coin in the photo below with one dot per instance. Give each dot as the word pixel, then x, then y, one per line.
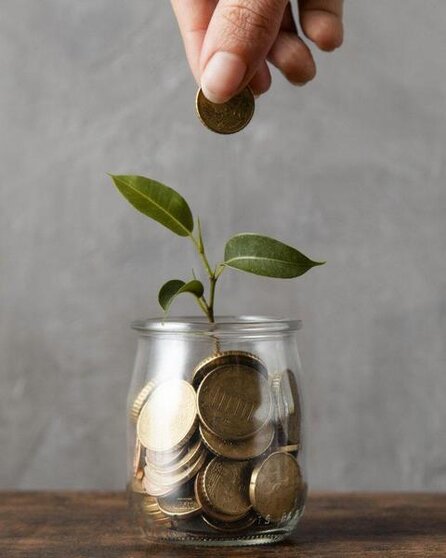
pixel 287 409
pixel 218 453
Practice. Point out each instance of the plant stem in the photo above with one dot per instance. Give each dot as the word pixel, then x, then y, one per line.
pixel 213 275
pixel 212 283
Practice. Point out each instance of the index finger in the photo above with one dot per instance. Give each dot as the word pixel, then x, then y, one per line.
pixel 193 17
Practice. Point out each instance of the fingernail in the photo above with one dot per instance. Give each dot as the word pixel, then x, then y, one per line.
pixel 222 76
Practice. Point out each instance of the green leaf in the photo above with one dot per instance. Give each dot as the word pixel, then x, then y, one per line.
pixel 157 201
pixel 265 256
pixel 200 237
pixel 175 287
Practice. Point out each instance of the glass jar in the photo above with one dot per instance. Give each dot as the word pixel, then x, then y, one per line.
pixel 215 436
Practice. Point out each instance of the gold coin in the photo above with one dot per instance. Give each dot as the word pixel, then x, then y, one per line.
pixel 151 509
pixel 137 458
pixel 234 402
pixel 156 459
pixel 276 486
pixel 169 417
pixel 139 474
pixel 157 523
pixel 156 490
pixel 136 485
pixel 161 485
pixel 234 526
pixel 292 448
pixel 288 412
pixel 229 117
pixel 181 504
pixel 150 505
pixel 140 400
pixel 240 449
pixel 225 486
pixel 203 501
pixel 234 358
pixel 157 515
pixel 189 457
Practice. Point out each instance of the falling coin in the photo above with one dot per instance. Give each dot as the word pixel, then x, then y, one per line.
pixel 229 117
pixel 276 486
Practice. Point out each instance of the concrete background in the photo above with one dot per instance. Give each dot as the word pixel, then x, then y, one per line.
pixel 350 169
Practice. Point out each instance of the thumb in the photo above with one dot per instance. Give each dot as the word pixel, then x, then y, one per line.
pixel 238 39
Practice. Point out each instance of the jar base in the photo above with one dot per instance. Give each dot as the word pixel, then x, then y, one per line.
pixel 192 539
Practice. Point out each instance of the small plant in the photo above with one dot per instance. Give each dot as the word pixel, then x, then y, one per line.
pixel 249 252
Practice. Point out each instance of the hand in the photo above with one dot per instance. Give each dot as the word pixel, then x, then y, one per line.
pixel 228 42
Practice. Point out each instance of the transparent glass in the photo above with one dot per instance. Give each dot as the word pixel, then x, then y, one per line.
pixel 215 433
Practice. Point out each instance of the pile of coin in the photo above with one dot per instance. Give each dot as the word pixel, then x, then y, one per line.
pixel 218 452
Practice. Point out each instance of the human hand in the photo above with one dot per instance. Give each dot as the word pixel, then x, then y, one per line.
pixel 228 42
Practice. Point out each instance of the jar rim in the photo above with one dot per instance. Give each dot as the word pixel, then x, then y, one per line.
pixel 222 324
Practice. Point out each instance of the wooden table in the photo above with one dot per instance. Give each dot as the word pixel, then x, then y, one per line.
pixel 95 525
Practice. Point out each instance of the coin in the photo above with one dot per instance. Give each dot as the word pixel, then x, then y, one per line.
pixel 292 448
pixel 136 485
pixel 275 487
pixel 239 449
pixel 151 509
pixel 234 526
pixel 137 458
pixel 234 402
pixel 156 490
pixel 150 505
pixel 140 400
pixel 288 412
pixel 225 486
pixel 169 416
pixel 235 358
pixel 161 485
pixel 188 458
pixel 229 117
pixel 206 505
pixel 156 459
pixel 181 504
pixel 157 523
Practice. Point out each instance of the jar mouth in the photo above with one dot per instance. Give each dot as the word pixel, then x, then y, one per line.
pixel 222 324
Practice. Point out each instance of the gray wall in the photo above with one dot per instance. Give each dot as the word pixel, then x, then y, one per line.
pixel 350 169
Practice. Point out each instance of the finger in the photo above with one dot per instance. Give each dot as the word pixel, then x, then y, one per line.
pixel 261 81
pixel 288 23
pixel 321 21
pixel 193 17
pixel 290 54
pixel 293 58
pixel 239 36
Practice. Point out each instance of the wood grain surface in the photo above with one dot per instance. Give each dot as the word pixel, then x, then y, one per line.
pixel 96 525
